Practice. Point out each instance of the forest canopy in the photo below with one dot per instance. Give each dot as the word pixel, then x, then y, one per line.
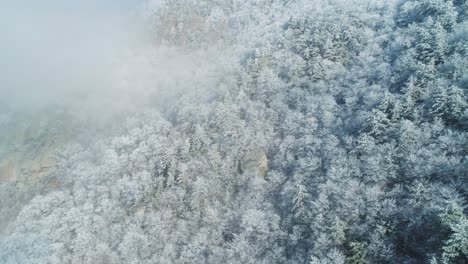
pixel 265 131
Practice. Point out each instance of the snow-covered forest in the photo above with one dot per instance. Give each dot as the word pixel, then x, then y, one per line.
pixel 251 131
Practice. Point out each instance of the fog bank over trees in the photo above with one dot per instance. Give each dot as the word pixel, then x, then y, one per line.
pixel 266 131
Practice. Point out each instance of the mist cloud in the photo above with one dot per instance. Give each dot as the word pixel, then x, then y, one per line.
pixel 54 52
pixel 91 59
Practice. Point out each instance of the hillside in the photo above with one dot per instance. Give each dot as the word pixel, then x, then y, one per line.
pixel 267 131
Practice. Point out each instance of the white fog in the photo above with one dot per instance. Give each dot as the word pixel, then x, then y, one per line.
pixel 233 131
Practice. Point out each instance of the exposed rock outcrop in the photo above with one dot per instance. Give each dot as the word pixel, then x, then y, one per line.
pixel 255 161
pixel 28 144
pixel 7 171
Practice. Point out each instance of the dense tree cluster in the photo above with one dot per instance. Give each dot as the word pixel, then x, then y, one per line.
pixel 358 111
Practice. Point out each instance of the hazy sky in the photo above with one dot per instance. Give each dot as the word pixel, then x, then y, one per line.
pixel 49 48
pixel 90 59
